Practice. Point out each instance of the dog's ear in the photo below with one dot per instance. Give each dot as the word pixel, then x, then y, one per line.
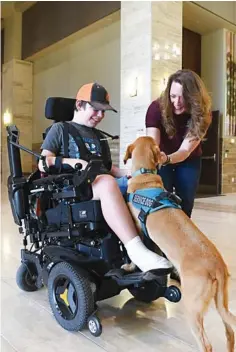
pixel 128 154
pixel 156 154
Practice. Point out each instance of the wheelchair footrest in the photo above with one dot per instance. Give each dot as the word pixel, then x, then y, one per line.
pixel 124 278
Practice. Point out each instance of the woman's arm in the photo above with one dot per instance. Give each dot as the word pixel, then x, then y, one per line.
pixel 187 147
pixel 154 133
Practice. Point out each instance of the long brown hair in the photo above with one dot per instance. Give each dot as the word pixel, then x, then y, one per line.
pixel 197 103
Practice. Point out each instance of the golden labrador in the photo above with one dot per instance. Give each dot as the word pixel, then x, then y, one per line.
pixel 203 272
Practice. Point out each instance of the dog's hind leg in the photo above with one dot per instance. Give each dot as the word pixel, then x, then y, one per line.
pixel 197 295
pixel 230 337
pixel 196 321
pixel 221 302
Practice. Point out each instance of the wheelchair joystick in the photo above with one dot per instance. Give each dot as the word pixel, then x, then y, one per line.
pixel 78 166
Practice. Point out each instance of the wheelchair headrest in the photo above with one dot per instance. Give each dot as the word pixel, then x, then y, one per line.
pixel 59 109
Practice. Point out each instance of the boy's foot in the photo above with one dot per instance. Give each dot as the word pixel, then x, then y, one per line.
pixel 145 259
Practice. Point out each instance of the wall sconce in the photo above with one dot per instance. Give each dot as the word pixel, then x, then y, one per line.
pixel 133 89
pixel 7 118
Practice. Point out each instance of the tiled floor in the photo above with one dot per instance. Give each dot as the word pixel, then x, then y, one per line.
pixel 27 324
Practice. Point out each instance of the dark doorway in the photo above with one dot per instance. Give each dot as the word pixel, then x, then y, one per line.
pixel 210 175
pixel 191 52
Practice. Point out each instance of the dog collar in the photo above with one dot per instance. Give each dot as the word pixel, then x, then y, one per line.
pixel 144 171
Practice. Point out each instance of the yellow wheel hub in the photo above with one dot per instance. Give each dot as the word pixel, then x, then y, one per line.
pixel 64 296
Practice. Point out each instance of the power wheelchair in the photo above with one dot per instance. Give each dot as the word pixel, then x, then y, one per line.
pixel 67 245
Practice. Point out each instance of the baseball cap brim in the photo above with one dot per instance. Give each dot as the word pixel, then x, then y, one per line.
pixel 100 106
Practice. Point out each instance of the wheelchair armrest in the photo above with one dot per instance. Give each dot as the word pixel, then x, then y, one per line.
pixel 80 181
pixel 18 196
pixel 52 180
pixel 78 177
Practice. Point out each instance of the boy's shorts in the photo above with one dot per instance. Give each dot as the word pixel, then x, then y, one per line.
pixel 123 184
pixel 121 181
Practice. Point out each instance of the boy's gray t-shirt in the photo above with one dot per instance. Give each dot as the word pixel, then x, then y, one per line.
pixel 54 140
pixel 54 143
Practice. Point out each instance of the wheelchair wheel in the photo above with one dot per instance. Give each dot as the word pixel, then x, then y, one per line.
pixel 150 291
pixel 173 294
pixel 70 296
pixel 94 326
pixel 26 277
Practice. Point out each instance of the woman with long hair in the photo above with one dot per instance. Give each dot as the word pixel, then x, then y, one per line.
pixel 178 121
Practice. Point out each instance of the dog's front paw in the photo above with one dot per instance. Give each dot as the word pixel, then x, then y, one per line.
pixel 129 267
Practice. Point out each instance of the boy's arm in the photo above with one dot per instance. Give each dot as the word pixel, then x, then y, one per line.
pixel 51 157
pixel 52 146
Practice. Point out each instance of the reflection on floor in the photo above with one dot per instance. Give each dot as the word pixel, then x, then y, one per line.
pixel 28 325
pixel 224 203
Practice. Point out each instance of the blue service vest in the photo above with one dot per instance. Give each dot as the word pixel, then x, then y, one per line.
pixel 150 200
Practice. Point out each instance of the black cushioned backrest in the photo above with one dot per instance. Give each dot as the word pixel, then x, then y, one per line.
pixel 59 109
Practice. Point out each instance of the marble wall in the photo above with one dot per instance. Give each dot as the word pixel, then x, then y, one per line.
pixel 151 49
pixel 135 70
pixel 166 43
pixel 92 55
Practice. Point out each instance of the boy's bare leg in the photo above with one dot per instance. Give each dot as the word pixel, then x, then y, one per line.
pixel 118 217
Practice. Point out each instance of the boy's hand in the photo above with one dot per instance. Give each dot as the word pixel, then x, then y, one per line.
pixel 129 173
pixel 117 172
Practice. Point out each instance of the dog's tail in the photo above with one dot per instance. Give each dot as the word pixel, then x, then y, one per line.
pixel 221 302
pixel 221 298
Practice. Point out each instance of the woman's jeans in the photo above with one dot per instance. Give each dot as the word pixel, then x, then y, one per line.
pixel 184 178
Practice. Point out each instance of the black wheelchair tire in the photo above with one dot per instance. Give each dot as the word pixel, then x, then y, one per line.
pixel 26 279
pixel 150 291
pixel 82 290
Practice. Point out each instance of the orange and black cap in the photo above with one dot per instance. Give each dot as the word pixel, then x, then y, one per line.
pixel 96 95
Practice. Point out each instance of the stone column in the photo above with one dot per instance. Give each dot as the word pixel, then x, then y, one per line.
pixel 151 50
pixel 17 86
pixel 12 36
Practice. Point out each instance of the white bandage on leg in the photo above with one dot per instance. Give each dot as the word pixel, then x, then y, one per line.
pixel 145 259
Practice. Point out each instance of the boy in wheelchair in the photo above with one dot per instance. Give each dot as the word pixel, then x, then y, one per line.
pixel 92 101
pixel 81 207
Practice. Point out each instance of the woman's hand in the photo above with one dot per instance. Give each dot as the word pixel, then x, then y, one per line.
pixel 164 158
